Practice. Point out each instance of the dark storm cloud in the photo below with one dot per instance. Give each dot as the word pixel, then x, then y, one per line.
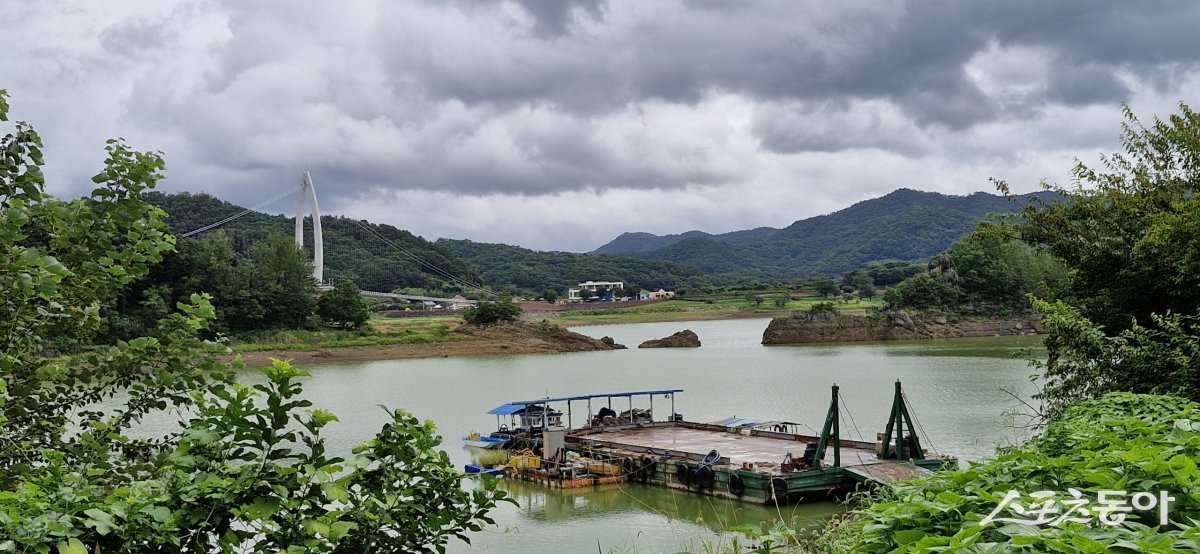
pixel 554 16
pixel 480 97
pixel 912 54
pixel 550 101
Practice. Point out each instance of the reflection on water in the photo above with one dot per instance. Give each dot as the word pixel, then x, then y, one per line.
pixel 555 505
pixel 956 388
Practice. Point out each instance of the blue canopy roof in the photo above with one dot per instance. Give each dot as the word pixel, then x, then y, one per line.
pixel 506 409
pixel 514 407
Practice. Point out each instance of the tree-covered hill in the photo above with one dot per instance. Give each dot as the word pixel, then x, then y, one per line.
pixel 645 242
pixel 351 251
pixel 356 254
pixel 905 225
pixel 503 265
pixel 718 258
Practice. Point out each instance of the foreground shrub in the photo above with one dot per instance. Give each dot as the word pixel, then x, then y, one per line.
pixel 246 469
pixel 1120 442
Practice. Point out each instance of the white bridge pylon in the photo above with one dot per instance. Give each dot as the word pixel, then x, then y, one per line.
pixel 307 188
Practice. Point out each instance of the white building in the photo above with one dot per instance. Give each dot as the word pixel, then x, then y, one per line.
pixel 661 294
pixel 601 288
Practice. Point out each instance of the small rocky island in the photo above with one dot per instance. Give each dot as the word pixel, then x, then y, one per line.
pixel 609 341
pixel 808 327
pixel 683 339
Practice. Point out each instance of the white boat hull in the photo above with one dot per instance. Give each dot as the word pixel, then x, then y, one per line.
pixel 484 444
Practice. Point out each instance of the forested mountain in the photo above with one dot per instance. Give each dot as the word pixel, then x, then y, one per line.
pixel 905 224
pixel 645 242
pixel 351 252
pixel 504 265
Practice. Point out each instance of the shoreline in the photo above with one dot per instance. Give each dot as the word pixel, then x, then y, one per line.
pixel 669 317
pixel 471 346
pixel 492 343
pixel 346 354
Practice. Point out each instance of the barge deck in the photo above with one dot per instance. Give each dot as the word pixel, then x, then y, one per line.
pixel 743 460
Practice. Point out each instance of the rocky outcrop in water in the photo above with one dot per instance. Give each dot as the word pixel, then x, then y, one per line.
pixel 609 341
pixel 538 336
pixel 683 339
pixel 805 327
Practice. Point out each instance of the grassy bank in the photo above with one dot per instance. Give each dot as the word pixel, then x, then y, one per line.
pixel 377 332
pixel 729 305
pixel 381 331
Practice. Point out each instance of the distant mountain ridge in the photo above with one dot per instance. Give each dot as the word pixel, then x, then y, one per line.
pixel 354 251
pixel 905 224
pixel 628 243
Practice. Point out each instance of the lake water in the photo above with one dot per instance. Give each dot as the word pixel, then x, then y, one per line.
pixel 956 387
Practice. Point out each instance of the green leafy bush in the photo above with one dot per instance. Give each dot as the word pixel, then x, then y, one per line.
pixel 343 306
pixel 823 308
pixel 246 469
pixel 1120 442
pixel 1160 356
pixel 489 313
pixel 922 292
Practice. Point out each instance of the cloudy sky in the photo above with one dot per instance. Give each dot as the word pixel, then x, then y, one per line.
pixel 558 124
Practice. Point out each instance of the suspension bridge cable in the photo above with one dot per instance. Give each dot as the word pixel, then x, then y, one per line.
pixel 239 214
pixel 917 420
pixel 842 405
pixel 444 273
pixel 438 270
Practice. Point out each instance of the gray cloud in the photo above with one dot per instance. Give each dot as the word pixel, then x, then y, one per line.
pixel 554 16
pixel 554 103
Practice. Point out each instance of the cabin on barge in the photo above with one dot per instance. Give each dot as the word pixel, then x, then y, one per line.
pixel 747 460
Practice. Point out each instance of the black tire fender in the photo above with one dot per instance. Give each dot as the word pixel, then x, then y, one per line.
pixel 629 467
pixel 779 488
pixel 704 478
pixel 684 473
pixel 736 486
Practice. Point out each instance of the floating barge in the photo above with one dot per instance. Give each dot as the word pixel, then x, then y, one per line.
pixel 766 462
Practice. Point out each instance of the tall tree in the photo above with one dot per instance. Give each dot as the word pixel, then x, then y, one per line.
pixel 826 286
pixel 1130 231
pixel 1129 235
pixel 282 273
pixel 343 306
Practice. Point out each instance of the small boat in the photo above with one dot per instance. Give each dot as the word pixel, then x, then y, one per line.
pixel 485 470
pixel 474 439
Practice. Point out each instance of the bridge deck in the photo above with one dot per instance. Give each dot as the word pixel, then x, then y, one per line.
pixel 412 297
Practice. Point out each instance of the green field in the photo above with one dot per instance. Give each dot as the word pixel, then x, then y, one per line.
pixel 702 307
pixel 381 331
pixel 378 332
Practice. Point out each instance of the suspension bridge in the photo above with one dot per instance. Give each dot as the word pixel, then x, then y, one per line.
pixel 308 192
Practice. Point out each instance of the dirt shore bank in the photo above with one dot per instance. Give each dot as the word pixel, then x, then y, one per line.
pixel 664 317
pixel 499 340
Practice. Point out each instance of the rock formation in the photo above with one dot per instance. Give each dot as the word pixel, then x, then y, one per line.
pixel 538 336
pixel 609 341
pixel 804 327
pixel 683 339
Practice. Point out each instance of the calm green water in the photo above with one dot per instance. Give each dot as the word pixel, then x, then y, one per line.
pixel 956 387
